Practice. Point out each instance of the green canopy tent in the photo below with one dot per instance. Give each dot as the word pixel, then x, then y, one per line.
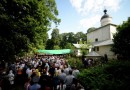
pixel 61 51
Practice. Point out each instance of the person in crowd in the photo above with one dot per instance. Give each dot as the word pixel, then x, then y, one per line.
pixel 89 62
pixel 27 84
pixel 34 77
pixel 76 85
pixel 75 72
pixel 58 70
pixel 85 62
pixel 43 80
pixel 52 70
pixel 47 67
pixel 35 85
pixel 105 58
pixel 56 81
pixel 50 82
pixel 11 77
pixel 29 72
pixel 41 73
pixel 5 83
pixel 35 80
pixel 62 77
pixel 38 73
pixel 69 80
pixel 67 69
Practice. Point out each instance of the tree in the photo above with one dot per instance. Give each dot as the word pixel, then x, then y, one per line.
pixel 69 46
pixel 24 25
pixel 84 47
pixel 64 39
pixel 70 37
pixel 49 44
pixel 80 36
pixel 91 29
pixel 56 47
pixel 55 37
pixel 121 46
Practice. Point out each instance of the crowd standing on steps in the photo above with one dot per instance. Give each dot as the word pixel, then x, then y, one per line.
pixel 40 73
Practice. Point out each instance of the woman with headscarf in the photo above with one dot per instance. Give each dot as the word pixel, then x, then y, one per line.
pixel 11 77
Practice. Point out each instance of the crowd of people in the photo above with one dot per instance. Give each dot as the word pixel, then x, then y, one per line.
pixel 40 73
pixel 89 61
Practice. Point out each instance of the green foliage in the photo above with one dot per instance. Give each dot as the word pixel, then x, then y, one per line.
pixel 84 47
pixel 54 42
pixel 91 29
pixel 69 46
pixel 121 40
pixel 56 47
pixel 55 36
pixel 49 44
pixel 63 40
pixel 75 62
pixel 70 37
pixel 112 76
pixel 67 39
pixel 24 25
pixel 80 36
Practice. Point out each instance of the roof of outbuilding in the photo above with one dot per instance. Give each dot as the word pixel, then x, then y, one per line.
pixel 103 43
pixel 93 54
pixel 80 45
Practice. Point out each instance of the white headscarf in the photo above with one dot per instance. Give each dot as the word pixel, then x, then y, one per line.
pixel 11 77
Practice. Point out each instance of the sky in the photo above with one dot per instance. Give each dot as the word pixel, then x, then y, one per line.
pixel 80 15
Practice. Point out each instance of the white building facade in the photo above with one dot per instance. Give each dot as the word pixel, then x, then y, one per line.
pixel 101 38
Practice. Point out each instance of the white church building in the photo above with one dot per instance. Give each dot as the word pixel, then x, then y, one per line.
pixel 101 38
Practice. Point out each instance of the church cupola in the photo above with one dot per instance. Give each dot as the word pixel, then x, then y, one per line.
pixel 105 19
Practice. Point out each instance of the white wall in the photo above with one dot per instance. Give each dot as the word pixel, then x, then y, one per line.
pixel 101 33
pixel 106 50
pixel 78 52
pixel 112 30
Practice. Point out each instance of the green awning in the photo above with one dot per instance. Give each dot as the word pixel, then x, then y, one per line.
pixel 61 51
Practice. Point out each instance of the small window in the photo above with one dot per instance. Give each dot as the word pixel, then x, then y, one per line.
pixel 93 49
pixel 96 39
pixel 97 48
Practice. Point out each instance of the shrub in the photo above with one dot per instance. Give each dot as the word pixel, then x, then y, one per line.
pixel 112 76
pixel 75 62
